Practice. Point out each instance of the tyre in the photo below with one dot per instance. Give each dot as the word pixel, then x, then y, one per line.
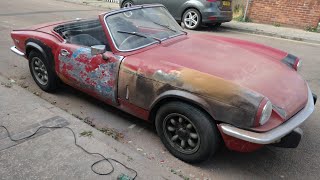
pixel 127 4
pixel 41 72
pixel 192 19
pixel 187 132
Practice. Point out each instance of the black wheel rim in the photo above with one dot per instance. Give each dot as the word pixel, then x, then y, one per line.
pixel 181 133
pixel 39 71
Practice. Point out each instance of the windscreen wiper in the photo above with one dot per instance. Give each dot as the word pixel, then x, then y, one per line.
pixel 168 27
pixel 140 35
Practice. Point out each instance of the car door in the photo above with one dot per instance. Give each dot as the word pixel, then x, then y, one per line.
pixel 94 74
pixel 149 1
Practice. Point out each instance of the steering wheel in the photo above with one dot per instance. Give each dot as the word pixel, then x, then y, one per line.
pixel 124 42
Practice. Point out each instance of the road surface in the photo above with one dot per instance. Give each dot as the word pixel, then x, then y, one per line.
pixel 269 162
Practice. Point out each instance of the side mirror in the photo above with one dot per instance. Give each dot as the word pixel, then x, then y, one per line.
pixel 98 49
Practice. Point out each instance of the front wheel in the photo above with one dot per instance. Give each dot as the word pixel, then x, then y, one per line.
pixel 187 132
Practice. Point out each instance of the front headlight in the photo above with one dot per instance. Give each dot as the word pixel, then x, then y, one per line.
pixel 264 112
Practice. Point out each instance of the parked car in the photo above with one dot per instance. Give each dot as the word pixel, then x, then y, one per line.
pixel 192 13
pixel 197 89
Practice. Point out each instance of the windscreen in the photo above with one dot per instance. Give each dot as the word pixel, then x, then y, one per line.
pixel 134 29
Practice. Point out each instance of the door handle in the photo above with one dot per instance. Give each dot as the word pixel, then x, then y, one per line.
pixel 64 52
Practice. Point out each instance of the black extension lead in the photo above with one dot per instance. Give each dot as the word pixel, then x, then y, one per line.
pixel 121 177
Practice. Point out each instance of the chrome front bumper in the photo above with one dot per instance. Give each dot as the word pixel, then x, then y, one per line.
pixel 15 50
pixel 276 133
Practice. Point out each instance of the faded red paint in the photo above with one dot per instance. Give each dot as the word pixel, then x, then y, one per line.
pixel 133 109
pixel 238 144
pixel 199 64
pixel 290 92
pixel 95 62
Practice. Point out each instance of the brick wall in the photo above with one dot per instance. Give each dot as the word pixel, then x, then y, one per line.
pixel 292 13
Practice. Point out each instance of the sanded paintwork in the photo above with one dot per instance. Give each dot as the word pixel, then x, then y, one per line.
pixel 225 98
pixel 233 85
pixel 226 77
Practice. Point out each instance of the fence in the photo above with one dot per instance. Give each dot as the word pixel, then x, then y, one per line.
pixel 113 1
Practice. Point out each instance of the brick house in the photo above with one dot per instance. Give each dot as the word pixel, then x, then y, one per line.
pixel 292 13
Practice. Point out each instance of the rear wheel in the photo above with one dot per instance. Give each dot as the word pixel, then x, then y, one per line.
pixel 187 132
pixel 127 4
pixel 41 72
pixel 192 19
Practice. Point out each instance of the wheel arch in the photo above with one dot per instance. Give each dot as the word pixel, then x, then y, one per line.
pixel 182 96
pixel 34 44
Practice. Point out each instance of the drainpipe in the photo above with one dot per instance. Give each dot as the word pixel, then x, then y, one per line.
pixel 245 12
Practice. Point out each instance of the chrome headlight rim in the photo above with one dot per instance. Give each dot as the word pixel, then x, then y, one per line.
pixel 264 112
pixel 298 64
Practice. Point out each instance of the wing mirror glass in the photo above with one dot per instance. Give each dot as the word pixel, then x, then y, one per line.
pixel 98 49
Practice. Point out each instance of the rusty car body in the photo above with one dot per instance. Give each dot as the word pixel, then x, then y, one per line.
pixel 197 89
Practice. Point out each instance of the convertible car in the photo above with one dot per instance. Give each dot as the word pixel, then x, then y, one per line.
pixel 198 90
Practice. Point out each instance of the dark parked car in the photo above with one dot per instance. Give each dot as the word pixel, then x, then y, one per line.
pixel 192 13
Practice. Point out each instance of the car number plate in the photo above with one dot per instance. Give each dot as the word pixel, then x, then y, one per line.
pixel 226 3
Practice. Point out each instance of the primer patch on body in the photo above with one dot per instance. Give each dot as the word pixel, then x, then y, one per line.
pixel 89 72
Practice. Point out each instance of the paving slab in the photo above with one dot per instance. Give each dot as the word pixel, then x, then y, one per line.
pixel 270 30
pixel 36 129
pixel 51 154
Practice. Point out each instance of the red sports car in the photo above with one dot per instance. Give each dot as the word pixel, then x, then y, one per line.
pixel 197 89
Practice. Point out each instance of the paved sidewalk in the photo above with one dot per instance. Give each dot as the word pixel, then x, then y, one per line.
pixel 270 30
pixel 52 153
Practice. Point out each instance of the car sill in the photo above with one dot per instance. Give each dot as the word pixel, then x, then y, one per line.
pixel 15 50
pixel 274 134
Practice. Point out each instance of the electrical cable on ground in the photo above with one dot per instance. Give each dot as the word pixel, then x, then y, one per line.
pixel 75 142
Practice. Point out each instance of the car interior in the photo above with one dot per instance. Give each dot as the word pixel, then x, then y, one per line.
pixel 84 33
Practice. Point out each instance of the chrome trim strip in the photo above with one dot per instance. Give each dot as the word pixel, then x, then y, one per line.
pixel 15 50
pixel 274 134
